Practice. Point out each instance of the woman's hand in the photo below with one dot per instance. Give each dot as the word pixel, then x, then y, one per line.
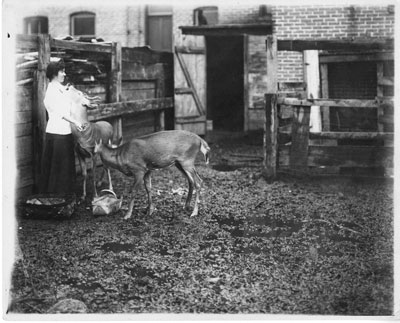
pixel 79 126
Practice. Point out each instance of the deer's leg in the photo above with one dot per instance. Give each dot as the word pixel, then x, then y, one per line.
pixel 102 180
pixel 82 163
pixel 198 182
pixel 110 187
pixel 137 179
pixel 94 174
pixel 147 185
pixel 191 183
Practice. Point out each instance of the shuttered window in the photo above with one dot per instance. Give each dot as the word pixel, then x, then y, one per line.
pixel 159 27
pixel 36 25
pixel 83 24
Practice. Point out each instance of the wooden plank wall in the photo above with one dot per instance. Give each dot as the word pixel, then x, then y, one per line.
pixel 146 74
pixel 23 139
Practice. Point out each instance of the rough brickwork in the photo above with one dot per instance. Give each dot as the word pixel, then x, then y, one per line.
pixel 117 23
pixel 326 22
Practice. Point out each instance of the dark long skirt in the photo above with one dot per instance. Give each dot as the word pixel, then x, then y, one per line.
pixel 58 165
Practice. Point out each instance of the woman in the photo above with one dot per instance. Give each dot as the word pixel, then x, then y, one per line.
pixel 58 160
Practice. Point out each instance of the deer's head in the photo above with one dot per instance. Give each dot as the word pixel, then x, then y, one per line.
pixel 81 98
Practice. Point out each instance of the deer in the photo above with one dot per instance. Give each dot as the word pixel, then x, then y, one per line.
pixel 86 136
pixel 138 157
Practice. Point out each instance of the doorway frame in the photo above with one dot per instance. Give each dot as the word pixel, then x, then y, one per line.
pixel 245 43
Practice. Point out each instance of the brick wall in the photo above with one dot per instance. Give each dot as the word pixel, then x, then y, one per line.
pixel 326 22
pixel 117 23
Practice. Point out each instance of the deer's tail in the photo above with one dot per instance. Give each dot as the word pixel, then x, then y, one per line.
pixel 205 149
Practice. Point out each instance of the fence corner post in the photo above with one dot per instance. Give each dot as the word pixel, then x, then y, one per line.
pixel 38 109
pixel 270 136
pixel 271 115
pixel 116 86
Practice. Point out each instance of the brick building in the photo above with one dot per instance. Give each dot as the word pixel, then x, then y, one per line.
pixel 239 55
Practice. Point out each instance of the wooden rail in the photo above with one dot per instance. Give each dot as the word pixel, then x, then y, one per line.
pixel 345 135
pixel 345 103
pixel 118 109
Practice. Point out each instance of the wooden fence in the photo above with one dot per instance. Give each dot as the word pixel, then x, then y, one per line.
pixel 297 150
pixel 290 146
pixel 135 85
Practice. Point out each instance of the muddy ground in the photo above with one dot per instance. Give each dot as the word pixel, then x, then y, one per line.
pixel 293 246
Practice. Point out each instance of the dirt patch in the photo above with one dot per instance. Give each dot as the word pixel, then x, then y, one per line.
pixel 293 246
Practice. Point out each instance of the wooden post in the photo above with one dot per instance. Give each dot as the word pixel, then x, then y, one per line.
pixel 379 93
pixel 300 136
pixel 159 116
pixel 325 94
pixel 38 109
pixel 246 83
pixel 116 86
pixel 311 77
pixel 271 116
pixel 270 136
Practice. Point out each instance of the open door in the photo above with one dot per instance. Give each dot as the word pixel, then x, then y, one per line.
pixel 190 89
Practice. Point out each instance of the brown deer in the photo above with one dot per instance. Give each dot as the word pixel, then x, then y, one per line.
pixel 139 157
pixel 88 134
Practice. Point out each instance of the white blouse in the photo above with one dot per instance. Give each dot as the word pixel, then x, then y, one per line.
pixel 58 105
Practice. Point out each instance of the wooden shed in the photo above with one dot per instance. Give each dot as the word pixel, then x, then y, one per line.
pixel 135 85
pixel 212 77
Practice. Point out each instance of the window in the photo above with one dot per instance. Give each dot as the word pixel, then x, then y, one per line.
pixel 159 27
pixel 205 16
pixel 36 25
pixel 83 24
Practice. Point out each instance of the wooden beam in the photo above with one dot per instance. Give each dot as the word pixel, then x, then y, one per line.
pixel 301 45
pixel 339 58
pixel 82 46
pixel 191 50
pixel 272 65
pixel 379 93
pixel 350 103
pixel 270 136
pixel 228 30
pixel 345 135
pixel 325 111
pixel 246 89
pixel 27 42
pixel 116 86
pixel 343 156
pixel 271 111
pixel 185 90
pixel 38 108
pixel 118 109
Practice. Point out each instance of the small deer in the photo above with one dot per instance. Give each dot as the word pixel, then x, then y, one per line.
pixel 139 157
pixel 88 134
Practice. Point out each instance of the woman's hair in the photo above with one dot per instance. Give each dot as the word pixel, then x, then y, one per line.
pixel 53 68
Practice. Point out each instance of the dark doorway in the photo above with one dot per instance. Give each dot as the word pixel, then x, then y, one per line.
pixel 225 83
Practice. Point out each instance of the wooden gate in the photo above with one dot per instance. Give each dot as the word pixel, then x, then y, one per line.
pixel 190 89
